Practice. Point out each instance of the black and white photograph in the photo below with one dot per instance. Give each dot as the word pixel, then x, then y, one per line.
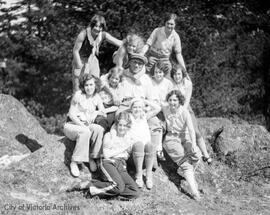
pixel 127 107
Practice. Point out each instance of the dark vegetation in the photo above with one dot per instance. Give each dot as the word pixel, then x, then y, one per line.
pixel 226 46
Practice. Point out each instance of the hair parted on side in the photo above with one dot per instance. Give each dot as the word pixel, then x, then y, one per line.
pixel 178 94
pixel 87 77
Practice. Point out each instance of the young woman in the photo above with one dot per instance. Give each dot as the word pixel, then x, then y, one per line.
pixel 86 49
pixel 180 141
pixel 162 42
pixel 162 86
pixel 143 149
pixel 85 106
pixel 182 82
pixel 117 146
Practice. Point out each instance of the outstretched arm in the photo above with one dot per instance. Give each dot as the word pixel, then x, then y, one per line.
pixel 190 128
pixel 109 38
pixel 188 92
pixel 77 46
pixel 155 108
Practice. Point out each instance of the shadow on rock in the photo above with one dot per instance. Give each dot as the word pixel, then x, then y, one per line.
pixel 31 144
pixel 170 168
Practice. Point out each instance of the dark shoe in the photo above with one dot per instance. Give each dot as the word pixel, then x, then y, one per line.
pixel 207 160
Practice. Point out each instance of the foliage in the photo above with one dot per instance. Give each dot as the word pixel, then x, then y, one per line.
pixel 225 45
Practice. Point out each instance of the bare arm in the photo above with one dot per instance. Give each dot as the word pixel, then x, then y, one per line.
pixel 77 46
pixel 180 60
pixel 73 113
pixel 145 49
pixel 188 92
pixel 155 108
pixel 119 56
pixel 109 38
pixel 190 128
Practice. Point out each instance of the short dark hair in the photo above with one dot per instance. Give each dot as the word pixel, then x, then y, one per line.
pixel 178 94
pixel 98 18
pixel 160 65
pixel 169 16
pixel 87 77
pixel 175 67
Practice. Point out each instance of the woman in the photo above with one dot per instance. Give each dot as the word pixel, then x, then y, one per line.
pixel 86 49
pixel 117 146
pixel 182 82
pixel 180 142
pixel 85 106
pixel 162 42
pixel 143 149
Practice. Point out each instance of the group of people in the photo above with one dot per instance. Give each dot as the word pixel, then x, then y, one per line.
pixel 132 113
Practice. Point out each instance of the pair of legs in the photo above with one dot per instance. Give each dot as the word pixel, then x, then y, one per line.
pixel 117 181
pixel 143 153
pixel 199 139
pixel 179 148
pixel 156 137
pixel 88 144
pixel 152 60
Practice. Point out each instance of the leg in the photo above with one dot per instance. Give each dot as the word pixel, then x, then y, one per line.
pixel 81 152
pixel 151 62
pixel 149 162
pixel 96 140
pixel 138 157
pixel 168 67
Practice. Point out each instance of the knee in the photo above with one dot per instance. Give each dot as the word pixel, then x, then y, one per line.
pixel 138 147
pixel 149 148
pixel 98 129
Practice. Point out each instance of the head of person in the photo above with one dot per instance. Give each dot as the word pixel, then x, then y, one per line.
pixel 175 99
pixel 90 85
pixel 98 24
pixel 136 62
pixel 170 20
pixel 178 74
pixel 122 123
pixel 137 107
pixel 133 43
pixel 158 71
pixel 115 77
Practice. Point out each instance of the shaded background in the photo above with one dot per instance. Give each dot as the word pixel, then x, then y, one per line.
pixel 226 47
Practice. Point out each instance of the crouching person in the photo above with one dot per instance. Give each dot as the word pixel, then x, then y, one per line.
pixel 180 141
pixel 117 146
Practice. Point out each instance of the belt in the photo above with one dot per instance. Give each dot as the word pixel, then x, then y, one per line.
pixel 157 54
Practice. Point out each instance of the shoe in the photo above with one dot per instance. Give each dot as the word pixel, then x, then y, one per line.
pixel 196 197
pixel 149 183
pixel 74 169
pixel 95 191
pixel 92 165
pixel 139 182
pixel 207 160
pixel 160 155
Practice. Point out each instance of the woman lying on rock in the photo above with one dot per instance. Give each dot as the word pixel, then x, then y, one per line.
pixel 117 146
pixel 85 114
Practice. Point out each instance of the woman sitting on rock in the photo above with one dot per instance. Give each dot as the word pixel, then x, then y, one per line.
pixel 117 146
pixel 180 142
pixel 182 82
pixel 81 125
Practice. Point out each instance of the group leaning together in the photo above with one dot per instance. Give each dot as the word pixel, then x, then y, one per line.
pixel 129 115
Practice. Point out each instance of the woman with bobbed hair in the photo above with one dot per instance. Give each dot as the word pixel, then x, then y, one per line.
pixel 86 49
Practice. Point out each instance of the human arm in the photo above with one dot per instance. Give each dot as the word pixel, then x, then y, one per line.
pixel 149 42
pixel 154 108
pixel 110 109
pixel 119 57
pixel 100 107
pixel 109 38
pixel 190 127
pixel 188 93
pixel 178 52
pixel 77 46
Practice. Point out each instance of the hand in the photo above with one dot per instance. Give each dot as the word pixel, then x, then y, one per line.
pixel 101 113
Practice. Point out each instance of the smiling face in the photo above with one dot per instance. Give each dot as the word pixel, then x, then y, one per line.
pixel 98 27
pixel 131 47
pixel 90 87
pixel 135 65
pixel 122 127
pixel 114 80
pixel 173 102
pixel 158 75
pixel 178 76
pixel 169 25
pixel 137 109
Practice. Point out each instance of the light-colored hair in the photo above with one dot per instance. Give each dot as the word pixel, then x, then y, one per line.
pixel 136 39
